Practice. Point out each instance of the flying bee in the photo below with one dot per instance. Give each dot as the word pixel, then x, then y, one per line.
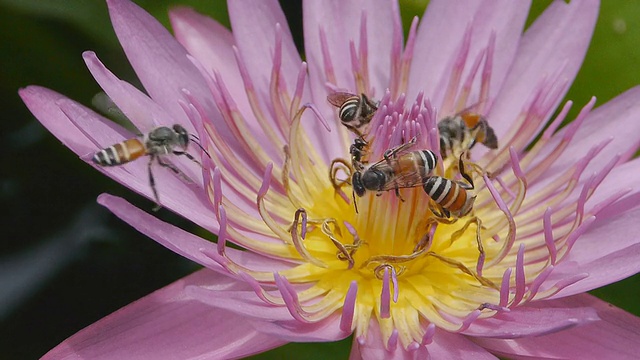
pixel 355 112
pixel 407 170
pixel 462 131
pixel 157 143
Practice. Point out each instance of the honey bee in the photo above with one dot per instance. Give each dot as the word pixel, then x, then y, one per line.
pixel 410 169
pixel 451 197
pixel 355 112
pixel 462 131
pixel 158 142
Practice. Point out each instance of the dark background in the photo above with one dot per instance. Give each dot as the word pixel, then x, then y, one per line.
pixel 65 262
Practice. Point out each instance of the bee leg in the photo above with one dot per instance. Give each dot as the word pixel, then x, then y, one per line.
pixel 152 183
pixel 175 170
pixel 355 203
pixel 464 174
pixel 188 156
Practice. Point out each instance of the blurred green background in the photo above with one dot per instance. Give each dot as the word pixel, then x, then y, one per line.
pixel 64 261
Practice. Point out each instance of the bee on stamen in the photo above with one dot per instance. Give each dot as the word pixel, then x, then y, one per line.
pixel 355 112
pixel 157 143
pixel 397 169
pixel 461 132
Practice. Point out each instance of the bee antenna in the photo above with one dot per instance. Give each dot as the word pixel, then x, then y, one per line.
pixel 195 140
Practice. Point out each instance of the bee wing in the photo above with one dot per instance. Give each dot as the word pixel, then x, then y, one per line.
pixel 338 98
pixel 407 179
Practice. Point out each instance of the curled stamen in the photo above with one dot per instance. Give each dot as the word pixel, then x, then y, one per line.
pixel 343 252
pixel 464 269
pixel 392 259
pixel 260 292
pixel 297 242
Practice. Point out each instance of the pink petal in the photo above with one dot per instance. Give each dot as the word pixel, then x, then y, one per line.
pixel 296 331
pixel 608 252
pixel 340 21
pixel 85 132
pixel 603 123
pixel 254 26
pixel 42 103
pixel 169 325
pixel 180 241
pixel 558 39
pixel 137 106
pixel 152 50
pixel 441 32
pixel 254 29
pixel 448 345
pixel 538 318
pixel 373 347
pixel 209 42
pixel 615 336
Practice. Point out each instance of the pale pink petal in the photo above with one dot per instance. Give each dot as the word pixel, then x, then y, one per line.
pixel 615 336
pixel 448 345
pixel 211 44
pixel 152 50
pixel 554 45
pixel 254 26
pixel 169 325
pixel 373 347
pixel 534 319
pixel 296 331
pixel 85 132
pixel 143 112
pixel 254 29
pixel 609 251
pixel 183 242
pixel 43 104
pixel 341 23
pixel 616 119
pixel 440 35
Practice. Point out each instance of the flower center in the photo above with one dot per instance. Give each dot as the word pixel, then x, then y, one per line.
pixel 408 252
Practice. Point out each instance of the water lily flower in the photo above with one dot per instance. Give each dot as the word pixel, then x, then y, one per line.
pixel 553 209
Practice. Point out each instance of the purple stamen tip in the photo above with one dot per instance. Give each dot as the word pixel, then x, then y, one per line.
pixel 505 288
pixel 392 343
pixel 348 309
pixel 385 295
pixel 429 332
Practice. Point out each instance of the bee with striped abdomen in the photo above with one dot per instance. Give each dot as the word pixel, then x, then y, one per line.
pixel 460 132
pixel 409 169
pixel 158 142
pixel 355 112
